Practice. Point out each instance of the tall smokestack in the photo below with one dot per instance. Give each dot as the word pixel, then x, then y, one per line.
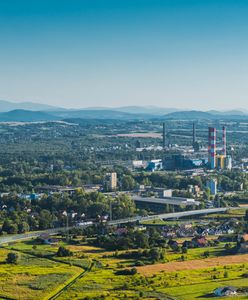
pixel 224 140
pixel 212 147
pixel 209 145
pixel 194 135
pixel 163 135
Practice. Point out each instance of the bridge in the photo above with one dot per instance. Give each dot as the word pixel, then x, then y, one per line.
pixel 170 215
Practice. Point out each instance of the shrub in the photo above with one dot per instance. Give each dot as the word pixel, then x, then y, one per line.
pixel 132 271
pixel 139 263
pixel 12 258
pixel 62 252
pixel 226 274
pixel 184 250
pixel 206 254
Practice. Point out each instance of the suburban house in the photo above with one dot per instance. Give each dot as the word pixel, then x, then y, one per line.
pixel 121 231
pixel 196 242
pixel 225 291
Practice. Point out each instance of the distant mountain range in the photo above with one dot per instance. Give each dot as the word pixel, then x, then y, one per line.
pixel 31 112
pixel 21 115
pixel 209 115
pixel 6 106
pixel 154 110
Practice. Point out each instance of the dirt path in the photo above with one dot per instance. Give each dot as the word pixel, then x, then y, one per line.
pixel 194 264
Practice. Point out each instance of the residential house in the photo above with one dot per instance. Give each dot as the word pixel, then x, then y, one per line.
pixel 225 291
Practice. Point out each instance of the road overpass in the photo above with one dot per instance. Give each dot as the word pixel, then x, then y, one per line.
pixel 171 215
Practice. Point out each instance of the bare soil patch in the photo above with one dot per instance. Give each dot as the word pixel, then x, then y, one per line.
pixel 194 264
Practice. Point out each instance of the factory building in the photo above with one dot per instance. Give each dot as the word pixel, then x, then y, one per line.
pixel 183 162
pixel 220 161
pixel 155 165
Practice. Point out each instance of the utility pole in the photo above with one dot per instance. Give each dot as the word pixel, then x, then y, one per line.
pixel 65 213
pixel 67 227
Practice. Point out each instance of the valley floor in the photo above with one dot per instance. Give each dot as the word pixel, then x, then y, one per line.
pixel 91 274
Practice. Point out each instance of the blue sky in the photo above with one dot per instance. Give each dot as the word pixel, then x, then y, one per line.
pixel 80 53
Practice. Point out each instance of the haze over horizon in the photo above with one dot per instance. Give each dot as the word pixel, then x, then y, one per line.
pixel 114 107
pixel 169 53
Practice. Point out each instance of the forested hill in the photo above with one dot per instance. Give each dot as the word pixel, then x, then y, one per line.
pixel 22 115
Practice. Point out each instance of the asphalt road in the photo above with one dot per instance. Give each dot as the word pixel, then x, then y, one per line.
pixel 170 215
pixel 18 237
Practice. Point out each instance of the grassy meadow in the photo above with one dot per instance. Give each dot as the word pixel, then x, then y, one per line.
pixel 32 277
pixel 40 274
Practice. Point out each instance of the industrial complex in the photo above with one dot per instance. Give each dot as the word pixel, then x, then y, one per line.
pixel 212 157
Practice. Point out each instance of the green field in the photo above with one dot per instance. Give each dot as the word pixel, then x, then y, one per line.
pixel 40 274
pixel 185 285
pixel 32 277
pixel 202 290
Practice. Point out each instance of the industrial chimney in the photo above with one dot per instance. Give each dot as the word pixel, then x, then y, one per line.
pixel 163 135
pixel 212 147
pixel 224 140
pixel 194 135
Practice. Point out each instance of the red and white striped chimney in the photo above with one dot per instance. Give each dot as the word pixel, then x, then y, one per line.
pixel 224 140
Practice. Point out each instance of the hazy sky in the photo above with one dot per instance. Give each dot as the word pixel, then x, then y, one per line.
pixel 171 53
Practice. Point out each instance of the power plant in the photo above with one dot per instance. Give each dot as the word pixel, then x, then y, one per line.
pixel 217 160
pixel 213 157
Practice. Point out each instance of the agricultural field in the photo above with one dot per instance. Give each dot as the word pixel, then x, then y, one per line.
pixel 194 264
pixel 204 290
pixel 158 284
pixel 32 277
pixel 91 273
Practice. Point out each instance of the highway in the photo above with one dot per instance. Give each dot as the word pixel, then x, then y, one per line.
pixel 24 236
pixel 171 215
pixel 53 231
